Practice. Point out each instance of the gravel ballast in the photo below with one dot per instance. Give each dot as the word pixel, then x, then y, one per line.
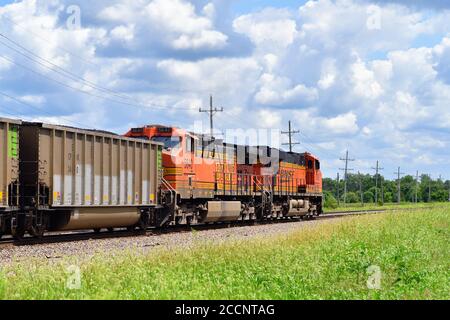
pixel 85 249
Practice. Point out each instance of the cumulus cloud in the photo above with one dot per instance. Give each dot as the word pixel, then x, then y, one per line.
pixel 343 124
pixel 271 28
pixel 172 22
pixel 369 76
pixel 414 3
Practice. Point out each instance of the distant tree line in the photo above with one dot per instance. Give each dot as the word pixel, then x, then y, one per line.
pixel 362 189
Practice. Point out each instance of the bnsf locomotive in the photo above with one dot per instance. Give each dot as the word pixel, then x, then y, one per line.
pixel 211 181
pixel 58 178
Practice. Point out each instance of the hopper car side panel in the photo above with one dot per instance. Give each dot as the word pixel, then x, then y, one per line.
pixel 74 178
pixel 9 172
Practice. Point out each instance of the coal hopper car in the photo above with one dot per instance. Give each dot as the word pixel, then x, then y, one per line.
pixel 76 179
pixel 9 172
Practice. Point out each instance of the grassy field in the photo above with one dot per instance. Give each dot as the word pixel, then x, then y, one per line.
pixel 387 206
pixel 329 260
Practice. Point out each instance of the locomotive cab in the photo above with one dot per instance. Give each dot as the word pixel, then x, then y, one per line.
pixel 313 174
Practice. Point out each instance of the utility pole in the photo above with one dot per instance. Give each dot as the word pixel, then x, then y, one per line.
pixel 290 133
pixel 377 170
pixel 338 193
pixel 211 111
pixel 449 191
pixel 399 195
pixel 360 189
pixel 346 170
pixel 429 188
pixel 417 186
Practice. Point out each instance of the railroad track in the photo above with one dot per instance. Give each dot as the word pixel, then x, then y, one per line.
pixel 58 237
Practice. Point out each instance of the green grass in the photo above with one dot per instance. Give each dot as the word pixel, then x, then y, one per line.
pixel 387 206
pixel 325 261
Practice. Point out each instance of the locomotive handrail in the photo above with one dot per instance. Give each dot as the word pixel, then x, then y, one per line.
pixel 173 192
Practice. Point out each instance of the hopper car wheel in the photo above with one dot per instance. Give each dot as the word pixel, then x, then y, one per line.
pixel 2 227
pixel 144 222
pixel 97 230
pixel 18 234
pixel 37 232
pixel 18 227
pixel 110 229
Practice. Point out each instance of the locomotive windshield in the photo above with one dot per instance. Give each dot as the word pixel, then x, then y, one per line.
pixel 169 142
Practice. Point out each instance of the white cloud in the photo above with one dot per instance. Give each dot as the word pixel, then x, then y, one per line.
pixel 270 28
pixel 364 82
pixel 279 91
pixel 343 124
pixel 173 22
pixel 379 92
pixel 35 100
pixel 125 33
pixel 204 39
pixel 268 119
pixel 328 76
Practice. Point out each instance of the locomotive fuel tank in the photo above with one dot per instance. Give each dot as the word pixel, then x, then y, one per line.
pixel 223 211
pixel 298 207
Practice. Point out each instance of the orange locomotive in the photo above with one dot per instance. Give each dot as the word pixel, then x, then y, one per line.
pixel 206 180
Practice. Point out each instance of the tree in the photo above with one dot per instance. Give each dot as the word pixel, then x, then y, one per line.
pixel 369 197
pixel 436 190
pixel 352 197
pixel 330 201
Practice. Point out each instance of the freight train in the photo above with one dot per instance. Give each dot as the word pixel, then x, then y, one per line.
pixel 59 178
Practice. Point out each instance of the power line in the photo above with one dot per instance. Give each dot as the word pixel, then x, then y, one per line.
pixel 40 110
pixel 46 40
pixel 54 67
pixel 211 111
pixel 62 71
pixel 346 170
pixel 290 133
pixel 85 92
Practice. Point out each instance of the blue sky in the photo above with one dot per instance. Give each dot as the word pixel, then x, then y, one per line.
pixel 372 77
